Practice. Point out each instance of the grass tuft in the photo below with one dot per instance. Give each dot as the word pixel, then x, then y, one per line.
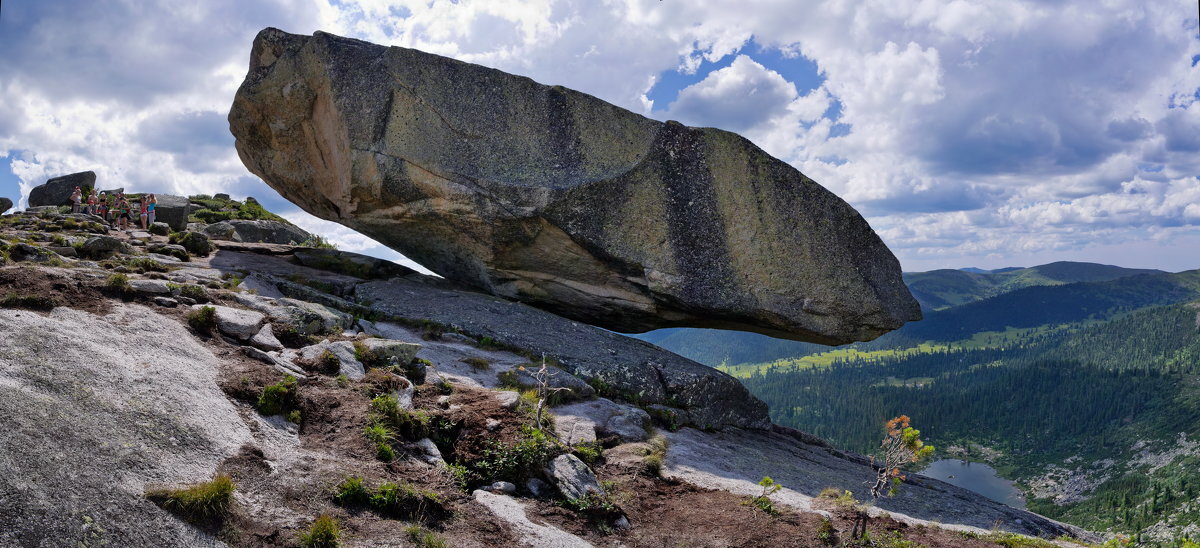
pixel 324 533
pixel 206 500
pixel 202 320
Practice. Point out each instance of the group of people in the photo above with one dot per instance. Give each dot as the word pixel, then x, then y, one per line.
pixel 115 208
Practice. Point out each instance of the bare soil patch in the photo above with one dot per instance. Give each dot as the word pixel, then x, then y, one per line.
pixel 52 287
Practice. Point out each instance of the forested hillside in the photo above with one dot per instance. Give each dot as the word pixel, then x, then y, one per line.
pixel 1087 394
pixel 938 289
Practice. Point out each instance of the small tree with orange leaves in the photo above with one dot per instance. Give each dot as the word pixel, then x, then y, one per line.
pixel 902 446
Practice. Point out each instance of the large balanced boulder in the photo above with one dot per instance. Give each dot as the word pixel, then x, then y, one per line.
pixel 57 191
pixel 5 205
pixel 556 198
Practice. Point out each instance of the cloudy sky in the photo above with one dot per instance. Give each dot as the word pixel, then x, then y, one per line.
pixel 969 132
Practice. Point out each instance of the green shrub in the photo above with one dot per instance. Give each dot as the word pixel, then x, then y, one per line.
pixel 58 240
pixel 209 216
pixel 294 416
pixel 117 284
pixel 763 500
pixel 395 500
pixel 352 492
pixel 317 242
pixel 205 500
pixel 514 463
pixel 323 533
pixel 194 292
pixel 424 538
pixel 656 455
pixel 401 500
pixel 203 319
pixel 826 534
pixel 590 453
pixel 278 398
pixel 146 264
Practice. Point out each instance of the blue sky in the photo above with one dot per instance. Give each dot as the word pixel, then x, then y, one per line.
pixel 968 132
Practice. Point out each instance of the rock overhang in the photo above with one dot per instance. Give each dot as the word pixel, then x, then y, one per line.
pixel 555 198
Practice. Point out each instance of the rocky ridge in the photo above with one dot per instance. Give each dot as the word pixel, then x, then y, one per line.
pixel 555 198
pixel 93 363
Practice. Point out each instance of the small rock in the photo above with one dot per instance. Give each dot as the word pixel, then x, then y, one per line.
pixel 572 477
pixel 150 287
pixel 195 243
pixel 492 425
pixel 238 323
pixel 173 250
pixel 103 247
pixel 139 235
pixel 166 302
pixel 443 401
pixel 400 351
pixel 428 451
pixel 63 251
pixel 404 396
pixel 502 488
pixel 257 354
pixel 221 196
pixel 22 251
pixel 622 523
pixel 508 399
pixel 265 339
pixel 348 364
pixel 160 229
pixel 630 426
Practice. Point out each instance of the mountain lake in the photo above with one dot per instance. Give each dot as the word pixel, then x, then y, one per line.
pixel 976 477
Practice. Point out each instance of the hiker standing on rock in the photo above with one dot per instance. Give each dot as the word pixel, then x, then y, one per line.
pixel 91 202
pixel 76 200
pixel 102 206
pixel 153 203
pixel 123 217
pixel 143 211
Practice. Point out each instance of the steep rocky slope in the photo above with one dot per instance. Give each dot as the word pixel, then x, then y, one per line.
pixel 108 389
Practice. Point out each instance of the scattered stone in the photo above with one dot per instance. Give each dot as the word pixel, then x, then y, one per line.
pixel 237 323
pixel 510 511
pixel 582 422
pixel 103 247
pixel 259 355
pixel 139 235
pixel 160 228
pixel 195 243
pixel 622 523
pixel 150 287
pixel 166 302
pixel 404 395
pixel 555 198
pixel 57 191
pixel 572 477
pixel 428 451
pixel 221 196
pixel 502 488
pixel 396 352
pixel 265 339
pixel 348 364
pixel 64 250
pixel 22 251
pixel 172 250
pixel 492 424
pixel 508 398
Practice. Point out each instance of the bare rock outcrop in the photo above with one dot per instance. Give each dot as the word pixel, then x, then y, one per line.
pixel 558 199
pixel 57 191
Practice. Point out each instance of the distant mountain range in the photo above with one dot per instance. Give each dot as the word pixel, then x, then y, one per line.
pixel 939 289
